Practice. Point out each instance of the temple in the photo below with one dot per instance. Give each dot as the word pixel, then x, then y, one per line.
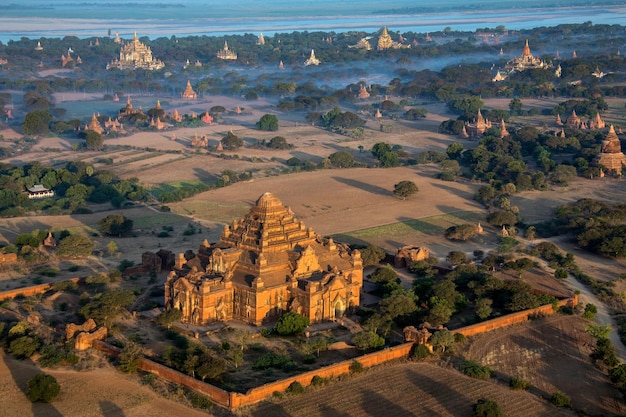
pixel 265 264
pixel 226 53
pixel 525 61
pixel 385 42
pixel 312 59
pixel 39 191
pixel 136 55
pixel 94 125
pixel 477 127
pixel 189 94
pixel 611 157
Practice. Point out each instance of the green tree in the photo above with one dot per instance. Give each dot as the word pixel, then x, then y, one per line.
pixel 36 122
pixel 442 340
pixel 461 232
pixel 454 150
pixel 515 107
pixel 169 316
pixel 590 311
pixel 372 255
pixel 456 257
pixel 483 308
pixel 341 159
pixel 561 399
pixel 43 387
pixel 24 346
pixel 93 140
pixel 398 304
pixel 268 122
pixel 116 225
pixel 129 358
pixel 291 323
pixel 105 307
pixel 231 141
pixel 112 248
pixel 381 148
pixel 279 142
pixel 75 245
pixel 405 189
pixel 486 408
pixel 368 340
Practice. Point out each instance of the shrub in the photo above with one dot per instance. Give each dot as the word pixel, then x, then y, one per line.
pixel 590 311
pixel 356 367
pixel 295 388
pixel 291 323
pixel 560 399
pixel 368 340
pixel 42 387
pixel 486 408
pixel 23 347
pixel 474 370
pixel 318 381
pixel 420 352
pixel 518 383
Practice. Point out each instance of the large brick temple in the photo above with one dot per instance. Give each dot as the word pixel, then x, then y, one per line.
pixel 265 264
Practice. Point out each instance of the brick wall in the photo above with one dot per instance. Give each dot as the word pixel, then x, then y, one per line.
pixel 234 400
pixel 513 318
pixel 32 290
pixel 257 394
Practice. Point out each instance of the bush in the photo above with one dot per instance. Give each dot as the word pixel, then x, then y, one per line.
pixel 291 323
pixel 368 340
pixel 560 399
pixel 420 352
pixel 474 370
pixel 590 311
pixel 486 408
pixel 295 388
pixel 356 367
pixel 518 383
pixel 318 381
pixel 42 387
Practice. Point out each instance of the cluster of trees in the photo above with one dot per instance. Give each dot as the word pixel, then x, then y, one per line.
pixel 596 225
pixel 74 185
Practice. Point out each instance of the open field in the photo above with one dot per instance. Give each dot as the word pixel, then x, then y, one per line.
pixel 407 389
pixel 551 353
pixel 101 391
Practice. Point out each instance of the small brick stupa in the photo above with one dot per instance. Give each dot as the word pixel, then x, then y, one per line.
pixel 611 157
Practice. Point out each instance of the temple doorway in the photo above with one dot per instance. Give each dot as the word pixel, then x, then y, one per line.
pixel 339 309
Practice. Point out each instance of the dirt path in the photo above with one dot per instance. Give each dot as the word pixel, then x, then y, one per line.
pixel 603 317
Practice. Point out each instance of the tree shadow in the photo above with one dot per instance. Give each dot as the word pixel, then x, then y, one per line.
pixel 370 188
pixel 437 390
pixel 110 409
pixel 382 403
pixel 205 176
pixel 22 371
pixel 465 195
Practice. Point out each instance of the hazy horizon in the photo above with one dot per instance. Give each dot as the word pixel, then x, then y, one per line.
pixel 158 18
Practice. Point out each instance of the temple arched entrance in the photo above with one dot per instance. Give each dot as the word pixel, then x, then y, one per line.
pixel 340 308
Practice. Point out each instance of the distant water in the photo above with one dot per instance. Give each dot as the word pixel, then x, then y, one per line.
pixel 157 18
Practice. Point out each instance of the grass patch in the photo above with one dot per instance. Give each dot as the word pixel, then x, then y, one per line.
pixel 157 220
pixel 432 226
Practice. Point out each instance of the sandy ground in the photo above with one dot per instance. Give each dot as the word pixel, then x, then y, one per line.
pixel 98 392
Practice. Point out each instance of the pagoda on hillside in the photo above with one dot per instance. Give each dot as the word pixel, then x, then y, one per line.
pixel 136 55
pixel 265 264
pixel 312 59
pixel 226 53
pixel 611 157
pixel 189 94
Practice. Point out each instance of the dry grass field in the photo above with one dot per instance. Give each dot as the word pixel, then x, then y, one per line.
pixel 407 389
pixel 355 205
